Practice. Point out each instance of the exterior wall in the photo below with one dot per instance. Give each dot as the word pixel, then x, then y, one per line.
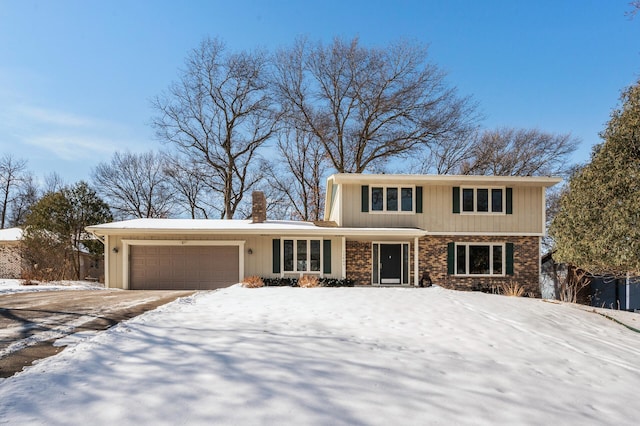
pixel 258 263
pixel 438 216
pixel 10 261
pixel 91 267
pixel 358 254
pixel 433 259
pixel 526 266
pixel 334 199
pixel 360 263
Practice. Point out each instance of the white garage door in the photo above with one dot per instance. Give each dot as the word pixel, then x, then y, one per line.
pixel 183 267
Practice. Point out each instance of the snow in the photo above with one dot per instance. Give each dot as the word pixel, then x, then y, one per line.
pixel 339 356
pixel 8 286
pixel 242 227
pixel 11 234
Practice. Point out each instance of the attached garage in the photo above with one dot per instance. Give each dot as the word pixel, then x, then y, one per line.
pixel 182 267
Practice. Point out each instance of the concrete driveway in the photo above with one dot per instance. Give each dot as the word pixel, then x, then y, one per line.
pixel 31 322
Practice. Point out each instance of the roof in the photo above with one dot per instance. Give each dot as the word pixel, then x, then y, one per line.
pixel 11 234
pixel 361 178
pixel 239 227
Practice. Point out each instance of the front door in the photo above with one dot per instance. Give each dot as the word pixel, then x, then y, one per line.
pixel 390 263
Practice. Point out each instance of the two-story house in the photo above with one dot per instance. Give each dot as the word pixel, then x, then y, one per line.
pixel 464 231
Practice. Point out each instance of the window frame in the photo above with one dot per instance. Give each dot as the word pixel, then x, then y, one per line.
pixel 399 189
pixel 489 190
pixel 308 256
pixel 467 259
pixel 405 268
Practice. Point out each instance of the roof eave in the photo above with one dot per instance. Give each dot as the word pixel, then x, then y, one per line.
pixel 546 181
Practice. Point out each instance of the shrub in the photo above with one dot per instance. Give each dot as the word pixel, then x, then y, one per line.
pixel 322 282
pixel 253 282
pixel 308 281
pixel 280 282
pixel 335 282
pixel 512 289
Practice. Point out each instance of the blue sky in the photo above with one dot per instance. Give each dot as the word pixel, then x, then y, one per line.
pixel 76 77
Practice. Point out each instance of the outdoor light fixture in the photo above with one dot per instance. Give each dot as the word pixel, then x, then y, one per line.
pixel 115 249
pixel 250 251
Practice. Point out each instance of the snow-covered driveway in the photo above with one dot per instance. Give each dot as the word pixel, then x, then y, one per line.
pixel 339 356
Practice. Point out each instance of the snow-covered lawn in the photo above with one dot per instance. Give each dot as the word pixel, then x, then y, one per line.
pixel 8 286
pixel 339 356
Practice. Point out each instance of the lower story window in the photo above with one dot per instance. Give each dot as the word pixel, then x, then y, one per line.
pixel 479 259
pixel 301 255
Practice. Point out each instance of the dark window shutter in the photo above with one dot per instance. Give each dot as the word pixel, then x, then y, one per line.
pixel 365 198
pixel 509 253
pixel 509 209
pixel 276 255
pixel 418 199
pixel 451 258
pixel 456 199
pixel 326 259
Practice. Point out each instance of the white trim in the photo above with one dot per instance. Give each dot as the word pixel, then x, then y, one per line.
pixel 204 227
pixel 384 210
pixel 344 258
pixel 544 211
pixel 107 254
pixel 490 200
pixel 401 243
pixel 467 260
pixel 339 203
pixel 454 180
pixel 416 265
pixel 319 272
pixel 486 234
pixel 127 243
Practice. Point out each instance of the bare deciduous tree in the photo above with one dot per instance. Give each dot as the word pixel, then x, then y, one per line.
pixel 27 195
pixel 11 175
pixel 53 182
pixel 366 105
pixel 300 175
pixel 446 155
pixel 219 113
pixel 189 183
pixel 521 152
pixel 135 185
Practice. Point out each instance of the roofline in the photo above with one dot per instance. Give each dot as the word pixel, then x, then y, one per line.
pixel 335 231
pixel 355 178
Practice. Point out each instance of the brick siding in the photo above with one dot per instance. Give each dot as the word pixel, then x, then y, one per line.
pixel 526 266
pixel 433 259
pixel 358 256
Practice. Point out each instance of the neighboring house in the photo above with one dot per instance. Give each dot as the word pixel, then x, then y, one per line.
pixel 10 255
pixel 12 263
pixel 600 291
pixel 466 232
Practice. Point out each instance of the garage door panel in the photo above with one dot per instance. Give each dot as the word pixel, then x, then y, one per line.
pixel 183 267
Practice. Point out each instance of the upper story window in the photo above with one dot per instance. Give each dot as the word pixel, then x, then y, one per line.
pixel 392 199
pixel 483 200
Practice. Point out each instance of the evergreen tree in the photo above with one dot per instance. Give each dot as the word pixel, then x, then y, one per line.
pixel 598 225
pixel 55 235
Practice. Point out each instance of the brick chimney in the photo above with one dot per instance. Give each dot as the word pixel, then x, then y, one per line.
pixel 259 210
